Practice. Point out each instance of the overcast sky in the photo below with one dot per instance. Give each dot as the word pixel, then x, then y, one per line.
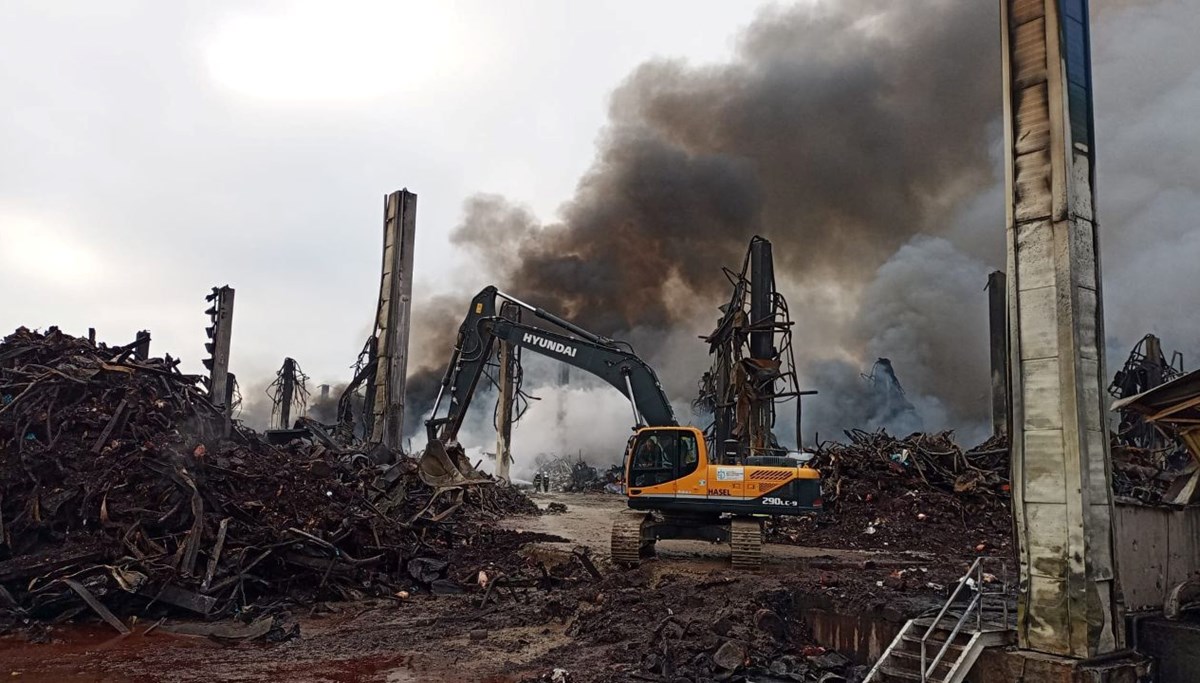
pixel 154 149
pixel 150 150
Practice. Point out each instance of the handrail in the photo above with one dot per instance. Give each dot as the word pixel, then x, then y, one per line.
pixel 976 568
pixel 953 634
pixel 977 604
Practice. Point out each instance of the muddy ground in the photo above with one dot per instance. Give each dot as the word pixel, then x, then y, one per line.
pixel 667 620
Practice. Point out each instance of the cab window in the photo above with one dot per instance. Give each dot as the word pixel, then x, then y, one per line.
pixel 663 456
pixel 689 458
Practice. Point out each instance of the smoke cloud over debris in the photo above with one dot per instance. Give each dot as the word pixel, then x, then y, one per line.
pixel 838 131
pixel 926 311
pixel 863 138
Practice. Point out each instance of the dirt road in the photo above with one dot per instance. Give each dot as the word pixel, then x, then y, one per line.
pixel 588 521
pixel 591 627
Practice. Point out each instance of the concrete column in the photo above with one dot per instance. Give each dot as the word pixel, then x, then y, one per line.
pixel 998 337
pixel 220 335
pixel 393 318
pixel 1062 496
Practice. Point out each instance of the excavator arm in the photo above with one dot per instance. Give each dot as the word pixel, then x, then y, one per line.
pixel 610 360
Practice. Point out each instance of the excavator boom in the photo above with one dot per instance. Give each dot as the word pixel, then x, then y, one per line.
pixel 610 360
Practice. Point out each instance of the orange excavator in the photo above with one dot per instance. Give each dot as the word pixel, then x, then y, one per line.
pixel 676 488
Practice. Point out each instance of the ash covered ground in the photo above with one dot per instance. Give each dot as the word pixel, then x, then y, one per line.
pixel 141 545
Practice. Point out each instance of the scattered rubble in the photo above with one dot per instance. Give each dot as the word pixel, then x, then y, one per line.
pixel 673 627
pixel 573 474
pixel 1150 476
pixel 921 493
pixel 116 496
pixel 118 499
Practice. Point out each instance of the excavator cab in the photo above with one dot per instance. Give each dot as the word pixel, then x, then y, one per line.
pixel 661 457
pixel 675 491
pixel 669 469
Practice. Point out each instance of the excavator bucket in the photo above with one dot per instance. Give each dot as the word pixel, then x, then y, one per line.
pixel 441 466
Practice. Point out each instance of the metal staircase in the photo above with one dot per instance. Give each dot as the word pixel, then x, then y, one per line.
pixel 943 648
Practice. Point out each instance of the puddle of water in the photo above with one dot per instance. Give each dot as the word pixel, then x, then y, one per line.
pixel 72 653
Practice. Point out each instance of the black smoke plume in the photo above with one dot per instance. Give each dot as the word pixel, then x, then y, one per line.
pixel 839 132
pixel 854 135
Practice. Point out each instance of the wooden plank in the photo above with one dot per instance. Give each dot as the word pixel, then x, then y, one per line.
pixel 1033 119
pixel 181 598
pixel 215 558
pixel 1179 407
pixel 28 566
pixel 1032 187
pixel 97 606
pixel 1141 548
pixel 191 545
pixel 107 432
pixel 1025 11
pixel 1029 53
pixel 1183 557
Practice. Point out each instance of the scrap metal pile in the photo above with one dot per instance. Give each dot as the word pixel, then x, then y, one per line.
pixel 694 628
pixel 117 495
pixel 922 492
pixel 1151 476
pixel 753 362
pixel 573 474
pixel 1151 459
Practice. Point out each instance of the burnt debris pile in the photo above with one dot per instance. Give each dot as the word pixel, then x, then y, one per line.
pixel 1162 476
pixel 118 495
pixel 921 492
pixel 721 627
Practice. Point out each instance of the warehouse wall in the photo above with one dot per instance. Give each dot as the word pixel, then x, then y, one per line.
pixel 1157 548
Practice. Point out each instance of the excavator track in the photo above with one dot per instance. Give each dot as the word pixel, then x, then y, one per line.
pixel 745 541
pixel 627 538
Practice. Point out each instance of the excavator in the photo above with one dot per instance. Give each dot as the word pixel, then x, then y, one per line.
pixel 676 488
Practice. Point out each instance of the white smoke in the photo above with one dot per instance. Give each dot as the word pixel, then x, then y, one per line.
pixel 925 310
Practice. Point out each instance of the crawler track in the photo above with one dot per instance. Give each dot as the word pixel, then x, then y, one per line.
pixel 626 545
pixel 745 542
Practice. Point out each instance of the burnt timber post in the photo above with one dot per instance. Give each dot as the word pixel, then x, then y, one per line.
pixel 393 318
pixel 998 337
pixel 1062 495
pixel 367 358
pixel 1154 368
pixel 142 350
pixel 509 358
pixel 287 392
